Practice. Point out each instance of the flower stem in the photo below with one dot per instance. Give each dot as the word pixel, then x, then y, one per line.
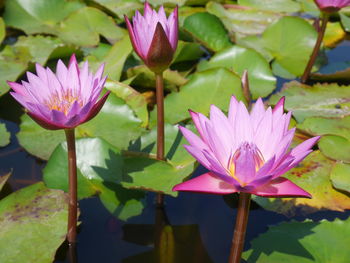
pixel 72 172
pixel 160 125
pixel 240 228
pixel 316 49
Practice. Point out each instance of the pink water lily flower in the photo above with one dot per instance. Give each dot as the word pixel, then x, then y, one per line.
pixel 245 152
pixel 330 6
pixel 62 100
pixel 154 36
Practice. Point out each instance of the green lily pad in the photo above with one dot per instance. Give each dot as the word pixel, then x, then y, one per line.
pixel 32 215
pixel 238 59
pixel 212 86
pixel 242 21
pixel 291 41
pixel 208 30
pixel 334 34
pixel 175 153
pixel 100 171
pixel 335 147
pixel 187 51
pixel 340 176
pixel 256 43
pixel 83 28
pixel 121 7
pixel 345 21
pixel 272 5
pixel 115 123
pixel 146 79
pixel 313 175
pixel 4 135
pixel 39 16
pixel 302 242
pixel 149 174
pixel 3 180
pixel 2 30
pixel 134 99
pixel 319 100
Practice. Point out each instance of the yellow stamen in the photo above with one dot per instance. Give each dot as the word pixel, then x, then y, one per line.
pixel 63 102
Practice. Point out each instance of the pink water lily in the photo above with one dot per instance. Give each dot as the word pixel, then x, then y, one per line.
pixel 245 152
pixel 330 6
pixel 154 36
pixel 62 100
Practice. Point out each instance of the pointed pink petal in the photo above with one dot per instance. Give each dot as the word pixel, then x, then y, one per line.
pixel 281 187
pixel 192 138
pixel 305 146
pixel 232 112
pixel 97 107
pixel 257 113
pixel 46 124
pixel 206 183
pixel 133 38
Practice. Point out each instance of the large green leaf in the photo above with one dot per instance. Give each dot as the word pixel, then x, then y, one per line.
pixel 115 123
pixel 322 100
pixel 83 28
pixel 187 51
pixel 238 59
pixel 4 135
pixel 213 86
pixel 302 242
pixel 242 21
pixel 208 30
pixel 340 176
pixel 290 40
pixel 335 147
pixel 2 30
pixel 121 7
pixel 38 16
pixel 289 6
pixel 33 224
pixel 100 171
pixel 313 175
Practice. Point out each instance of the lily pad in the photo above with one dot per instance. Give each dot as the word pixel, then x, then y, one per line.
pixel 212 86
pixel 116 123
pixel 100 171
pixel 291 41
pixel 121 7
pixel 337 71
pixel 319 100
pixel 2 30
pixel 83 28
pixel 313 175
pixel 302 242
pixel 335 147
pixel 340 176
pixel 236 58
pixel 187 51
pixel 272 5
pixel 38 16
pixel 242 21
pixel 4 135
pixel 32 215
pixel 334 34
pixel 208 30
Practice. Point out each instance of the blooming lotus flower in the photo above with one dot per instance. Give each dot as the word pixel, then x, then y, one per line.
pixel 154 36
pixel 245 152
pixel 62 100
pixel 330 6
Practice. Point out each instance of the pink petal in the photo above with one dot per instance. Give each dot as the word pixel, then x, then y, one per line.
pixel 206 183
pixel 280 187
pixel 192 138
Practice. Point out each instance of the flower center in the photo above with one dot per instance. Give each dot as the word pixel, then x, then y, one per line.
pixel 247 155
pixel 63 102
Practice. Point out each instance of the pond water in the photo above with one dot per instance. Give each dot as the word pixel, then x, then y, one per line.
pixel 200 226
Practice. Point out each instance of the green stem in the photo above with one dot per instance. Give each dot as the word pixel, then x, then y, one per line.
pixel 240 228
pixel 160 125
pixel 313 56
pixel 72 172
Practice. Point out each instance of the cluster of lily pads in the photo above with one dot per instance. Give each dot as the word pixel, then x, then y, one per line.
pixel 116 151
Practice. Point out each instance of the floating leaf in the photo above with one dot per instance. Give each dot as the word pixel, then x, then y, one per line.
pixel 83 28
pixel 323 100
pixel 272 5
pixel 345 20
pixel 115 123
pixel 2 30
pixel 335 147
pixel 334 34
pixel 187 51
pixel 302 242
pixel 242 21
pixel 238 59
pixel 337 71
pixel 340 176
pixel 121 7
pixel 291 41
pixel 99 167
pixel 38 16
pixel 208 30
pixel 32 215
pixel 313 175
pixel 4 135
pixel 217 84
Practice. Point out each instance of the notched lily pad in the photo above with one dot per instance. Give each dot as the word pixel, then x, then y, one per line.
pixel 33 215
pixel 313 175
pixel 340 176
pixel 4 135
